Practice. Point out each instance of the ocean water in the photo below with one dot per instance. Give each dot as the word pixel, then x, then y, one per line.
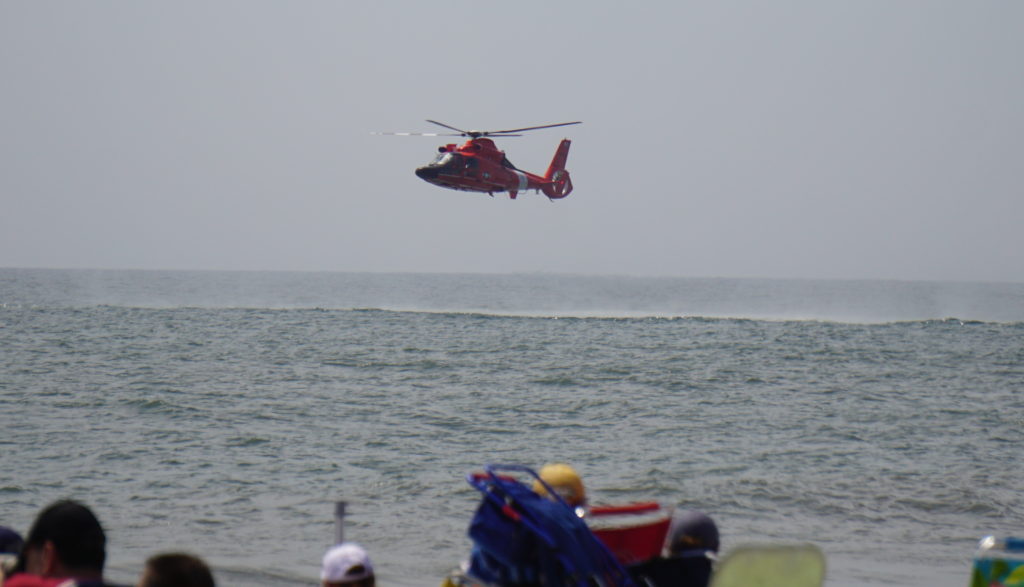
pixel 223 413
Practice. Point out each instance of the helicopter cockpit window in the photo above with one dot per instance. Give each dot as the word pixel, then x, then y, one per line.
pixel 448 160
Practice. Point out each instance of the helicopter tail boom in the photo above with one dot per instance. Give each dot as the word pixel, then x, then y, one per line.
pixel 558 184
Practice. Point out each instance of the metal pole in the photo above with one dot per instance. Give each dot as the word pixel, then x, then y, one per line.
pixel 339 522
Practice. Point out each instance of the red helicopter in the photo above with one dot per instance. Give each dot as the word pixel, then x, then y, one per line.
pixel 478 166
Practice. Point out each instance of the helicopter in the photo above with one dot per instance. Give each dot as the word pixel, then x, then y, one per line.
pixel 478 166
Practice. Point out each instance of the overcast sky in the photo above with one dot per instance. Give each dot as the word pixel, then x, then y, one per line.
pixel 859 139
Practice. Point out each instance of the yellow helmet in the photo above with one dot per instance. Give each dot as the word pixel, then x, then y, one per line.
pixel 564 480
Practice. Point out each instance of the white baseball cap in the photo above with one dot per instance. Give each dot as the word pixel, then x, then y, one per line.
pixel 346 562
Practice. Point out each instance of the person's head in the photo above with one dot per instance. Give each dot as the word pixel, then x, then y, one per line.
pixel 176 570
pixel 691 530
pixel 347 564
pixel 66 540
pixel 10 548
pixel 564 480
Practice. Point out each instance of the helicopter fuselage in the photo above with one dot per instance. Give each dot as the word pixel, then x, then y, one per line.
pixel 479 166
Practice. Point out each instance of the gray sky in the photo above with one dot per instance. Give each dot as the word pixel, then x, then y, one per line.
pixel 859 139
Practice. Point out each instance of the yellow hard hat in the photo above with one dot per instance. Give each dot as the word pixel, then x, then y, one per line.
pixel 564 480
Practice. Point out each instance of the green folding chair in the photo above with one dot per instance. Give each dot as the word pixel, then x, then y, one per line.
pixel 769 565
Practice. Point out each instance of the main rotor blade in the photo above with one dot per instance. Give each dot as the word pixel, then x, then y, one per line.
pixel 417 134
pixel 449 127
pixel 495 132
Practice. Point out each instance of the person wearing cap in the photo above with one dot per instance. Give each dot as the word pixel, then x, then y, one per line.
pixel 566 482
pixel 690 549
pixel 10 548
pixel 347 565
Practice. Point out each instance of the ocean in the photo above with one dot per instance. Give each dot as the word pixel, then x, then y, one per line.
pixel 223 413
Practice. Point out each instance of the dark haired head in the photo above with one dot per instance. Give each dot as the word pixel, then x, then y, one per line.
pixel 76 535
pixel 176 570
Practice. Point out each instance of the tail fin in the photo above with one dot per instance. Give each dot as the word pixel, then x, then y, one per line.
pixel 559 184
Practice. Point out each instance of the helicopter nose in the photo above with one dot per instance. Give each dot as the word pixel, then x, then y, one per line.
pixel 427 172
